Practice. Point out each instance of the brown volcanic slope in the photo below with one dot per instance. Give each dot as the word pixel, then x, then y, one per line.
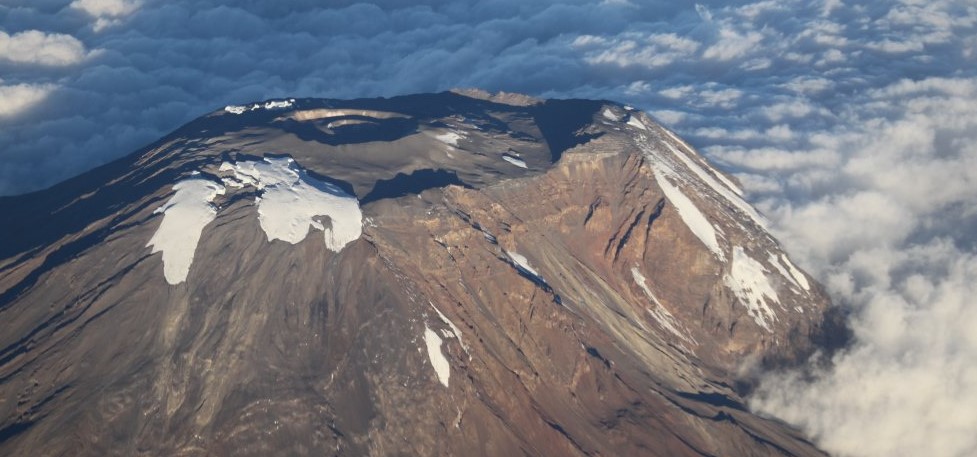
pixel 527 277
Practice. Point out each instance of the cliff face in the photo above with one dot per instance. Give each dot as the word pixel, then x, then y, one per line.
pixel 438 274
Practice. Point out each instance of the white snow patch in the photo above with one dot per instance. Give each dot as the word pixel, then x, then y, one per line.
pixel 690 214
pixel 291 202
pixel 454 329
pixel 634 122
pixel 608 114
pixel 796 273
pixel 660 313
pixel 748 281
pixel 449 138
pixel 185 215
pixel 279 104
pixel 235 109
pixel 523 263
pixel 271 105
pixel 438 360
pixel 515 161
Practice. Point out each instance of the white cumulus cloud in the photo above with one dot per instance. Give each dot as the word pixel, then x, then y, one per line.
pixel 37 47
pixel 106 12
pixel 105 8
pixel 19 97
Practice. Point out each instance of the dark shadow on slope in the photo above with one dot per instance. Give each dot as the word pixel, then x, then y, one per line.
pixel 58 321
pixel 714 399
pixel 593 352
pixel 833 335
pixel 561 122
pixel 343 185
pixel 38 219
pixel 369 130
pixel 12 430
pixel 537 280
pixel 71 249
pixel 414 183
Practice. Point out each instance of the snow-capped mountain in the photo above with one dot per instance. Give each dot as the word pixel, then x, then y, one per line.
pixel 442 274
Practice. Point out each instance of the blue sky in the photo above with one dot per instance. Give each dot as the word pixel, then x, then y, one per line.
pixel 852 125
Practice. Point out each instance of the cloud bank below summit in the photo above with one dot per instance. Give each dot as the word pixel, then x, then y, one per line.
pixel 852 126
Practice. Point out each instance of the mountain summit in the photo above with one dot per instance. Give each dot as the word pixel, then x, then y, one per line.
pixel 444 274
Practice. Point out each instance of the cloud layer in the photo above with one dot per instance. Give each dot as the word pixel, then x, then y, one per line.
pixel 853 126
pixel 888 219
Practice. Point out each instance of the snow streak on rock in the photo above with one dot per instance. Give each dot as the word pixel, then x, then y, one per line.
pixel 796 273
pixel 609 115
pixel 523 264
pixel 454 329
pixel 659 312
pixel 727 191
pixel 690 214
pixel 449 138
pixel 441 367
pixel 636 123
pixel 324 113
pixel 748 280
pixel 184 217
pixel 791 273
pixel 514 160
pixel 718 175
